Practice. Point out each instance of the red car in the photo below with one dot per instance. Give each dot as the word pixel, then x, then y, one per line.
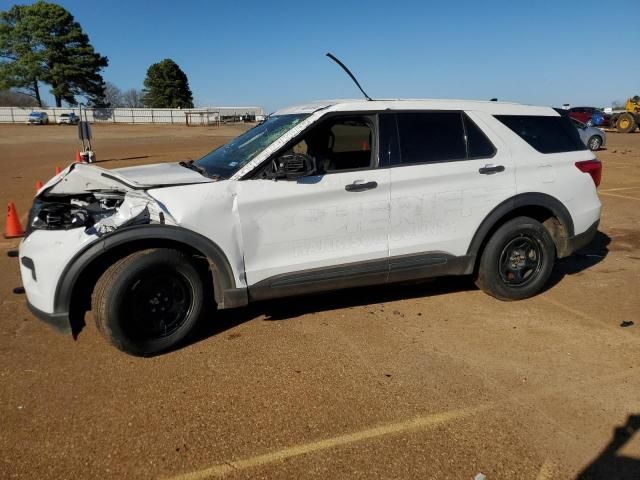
pixel 590 116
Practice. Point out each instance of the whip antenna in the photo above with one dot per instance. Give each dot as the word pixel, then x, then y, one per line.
pixel 332 57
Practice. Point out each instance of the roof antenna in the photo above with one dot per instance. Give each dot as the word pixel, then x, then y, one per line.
pixel 350 74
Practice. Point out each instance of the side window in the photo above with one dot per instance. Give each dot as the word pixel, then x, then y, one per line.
pixel 350 137
pixel 478 145
pixel 340 144
pixel 427 137
pixel 545 134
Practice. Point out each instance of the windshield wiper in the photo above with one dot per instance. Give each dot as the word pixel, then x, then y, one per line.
pixel 192 166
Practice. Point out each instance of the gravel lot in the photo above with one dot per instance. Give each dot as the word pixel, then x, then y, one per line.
pixel 428 380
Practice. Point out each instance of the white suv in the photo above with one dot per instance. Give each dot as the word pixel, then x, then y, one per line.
pixel 319 197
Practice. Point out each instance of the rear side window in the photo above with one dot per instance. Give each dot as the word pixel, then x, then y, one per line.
pixel 431 137
pixel 545 134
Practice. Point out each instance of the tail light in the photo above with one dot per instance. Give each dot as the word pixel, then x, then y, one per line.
pixel 593 168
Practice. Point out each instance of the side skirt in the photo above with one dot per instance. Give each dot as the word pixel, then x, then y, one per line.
pixel 360 274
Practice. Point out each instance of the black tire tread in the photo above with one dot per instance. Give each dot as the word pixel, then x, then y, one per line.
pixel 99 297
pixel 485 280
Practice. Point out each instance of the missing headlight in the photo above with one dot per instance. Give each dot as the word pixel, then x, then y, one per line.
pixel 71 212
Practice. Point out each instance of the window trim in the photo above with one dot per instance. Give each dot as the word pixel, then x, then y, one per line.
pixel 370 117
pixel 478 157
pixel 462 114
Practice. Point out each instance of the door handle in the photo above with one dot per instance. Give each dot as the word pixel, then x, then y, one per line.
pixel 490 169
pixel 360 187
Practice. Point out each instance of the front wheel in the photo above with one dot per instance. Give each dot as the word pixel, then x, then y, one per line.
pixel 517 261
pixel 149 301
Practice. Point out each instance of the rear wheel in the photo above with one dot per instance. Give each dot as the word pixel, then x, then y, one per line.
pixel 517 261
pixel 149 301
pixel 594 143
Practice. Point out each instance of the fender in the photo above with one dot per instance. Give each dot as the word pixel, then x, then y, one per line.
pixel 223 279
pixel 507 207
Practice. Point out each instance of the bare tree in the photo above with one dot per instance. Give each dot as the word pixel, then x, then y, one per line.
pixel 9 98
pixel 132 98
pixel 112 95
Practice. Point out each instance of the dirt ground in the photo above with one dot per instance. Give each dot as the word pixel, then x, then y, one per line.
pixel 433 380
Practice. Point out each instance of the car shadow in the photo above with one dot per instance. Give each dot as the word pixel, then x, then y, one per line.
pixel 580 261
pixel 610 464
pixel 293 307
pixel 218 322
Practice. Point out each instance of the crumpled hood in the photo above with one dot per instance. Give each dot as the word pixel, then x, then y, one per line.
pixel 81 177
pixel 159 174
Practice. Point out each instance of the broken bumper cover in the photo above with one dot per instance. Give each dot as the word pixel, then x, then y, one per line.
pixel 58 321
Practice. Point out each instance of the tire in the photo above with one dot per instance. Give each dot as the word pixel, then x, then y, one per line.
pixel 149 301
pixel 525 243
pixel 626 123
pixel 594 143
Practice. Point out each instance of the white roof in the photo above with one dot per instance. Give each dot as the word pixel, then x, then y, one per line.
pixel 495 108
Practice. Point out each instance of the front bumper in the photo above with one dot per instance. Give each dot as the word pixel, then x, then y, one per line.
pixel 58 321
pixel 43 257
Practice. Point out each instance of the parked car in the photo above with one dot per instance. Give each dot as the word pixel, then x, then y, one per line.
pixel 68 119
pixel 319 197
pixel 38 118
pixel 590 115
pixel 594 138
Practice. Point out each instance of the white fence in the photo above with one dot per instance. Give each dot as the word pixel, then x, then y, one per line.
pixel 187 116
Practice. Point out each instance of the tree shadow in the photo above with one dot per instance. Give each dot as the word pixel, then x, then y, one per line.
pixel 609 464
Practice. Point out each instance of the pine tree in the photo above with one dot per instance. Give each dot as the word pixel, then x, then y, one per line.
pixel 167 86
pixel 43 43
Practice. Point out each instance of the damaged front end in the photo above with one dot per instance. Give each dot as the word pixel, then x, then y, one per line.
pixel 87 197
pixel 97 212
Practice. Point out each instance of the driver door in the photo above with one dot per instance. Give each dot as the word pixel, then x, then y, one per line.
pixel 324 230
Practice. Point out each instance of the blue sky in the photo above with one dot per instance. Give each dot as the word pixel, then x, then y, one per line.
pixel 271 53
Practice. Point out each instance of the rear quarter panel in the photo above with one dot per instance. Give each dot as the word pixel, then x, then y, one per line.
pixel 556 175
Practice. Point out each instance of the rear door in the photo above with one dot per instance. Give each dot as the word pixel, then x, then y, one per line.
pixel 448 171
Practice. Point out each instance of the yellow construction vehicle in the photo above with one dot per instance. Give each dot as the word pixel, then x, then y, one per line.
pixel 629 120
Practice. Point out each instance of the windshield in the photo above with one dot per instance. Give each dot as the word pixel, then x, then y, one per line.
pixel 229 158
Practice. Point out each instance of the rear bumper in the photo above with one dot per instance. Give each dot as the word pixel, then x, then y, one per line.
pixel 583 239
pixel 58 321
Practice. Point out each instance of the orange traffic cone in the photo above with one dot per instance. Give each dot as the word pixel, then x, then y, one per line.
pixel 12 229
pixel 58 170
pixel 78 157
pixel 38 185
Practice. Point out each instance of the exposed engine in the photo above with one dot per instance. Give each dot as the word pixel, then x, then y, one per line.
pixel 96 212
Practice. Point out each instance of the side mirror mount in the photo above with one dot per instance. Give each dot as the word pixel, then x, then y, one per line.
pixel 293 165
